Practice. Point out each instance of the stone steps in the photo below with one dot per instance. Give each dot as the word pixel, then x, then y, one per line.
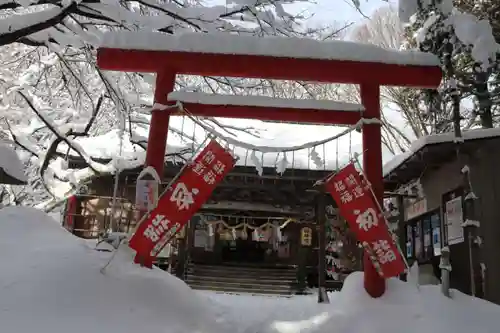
pixel 248 286
pixel 239 291
pixel 265 280
pixel 242 279
pixel 224 270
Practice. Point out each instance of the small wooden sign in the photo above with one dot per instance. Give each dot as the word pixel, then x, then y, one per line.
pixel 306 236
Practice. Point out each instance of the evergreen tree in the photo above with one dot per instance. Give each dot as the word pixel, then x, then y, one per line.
pixel 469 60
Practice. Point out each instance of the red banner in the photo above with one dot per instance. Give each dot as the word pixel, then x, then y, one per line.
pixel 357 205
pixel 182 200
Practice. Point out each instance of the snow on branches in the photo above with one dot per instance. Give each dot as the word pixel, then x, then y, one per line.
pixel 470 59
pixel 52 93
pixel 68 22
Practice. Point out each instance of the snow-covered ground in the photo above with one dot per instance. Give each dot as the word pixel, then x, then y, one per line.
pixel 50 282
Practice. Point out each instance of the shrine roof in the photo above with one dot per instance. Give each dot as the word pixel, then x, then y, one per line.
pixel 434 149
pixel 287 58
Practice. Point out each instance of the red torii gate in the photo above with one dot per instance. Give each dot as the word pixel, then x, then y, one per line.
pixel 253 57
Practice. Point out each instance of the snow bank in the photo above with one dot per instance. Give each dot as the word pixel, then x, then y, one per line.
pixel 403 308
pixel 50 282
pixel 11 164
pixel 286 47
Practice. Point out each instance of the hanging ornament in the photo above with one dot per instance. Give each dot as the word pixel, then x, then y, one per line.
pixel 233 232
pixel 277 230
pixel 314 156
pixel 210 229
pixel 244 234
pixel 258 164
pixel 282 164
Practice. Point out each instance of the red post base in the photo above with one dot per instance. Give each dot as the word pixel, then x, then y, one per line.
pixel 374 284
pixel 144 262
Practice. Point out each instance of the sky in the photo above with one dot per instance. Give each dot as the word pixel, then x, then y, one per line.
pixel 326 11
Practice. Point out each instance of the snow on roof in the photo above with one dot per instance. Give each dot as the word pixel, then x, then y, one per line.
pixel 55 277
pixel 106 146
pixel 11 166
pixel 284 47
pixel 262 101
pixel 420 143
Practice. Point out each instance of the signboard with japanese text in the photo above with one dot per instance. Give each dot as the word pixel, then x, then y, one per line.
pixel 453 221
pixel 415 208
pixel 182 200
pixel 146 194
pixel 146 190
pixel 357 206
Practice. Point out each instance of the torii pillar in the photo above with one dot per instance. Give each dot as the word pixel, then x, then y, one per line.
pixel 221 55
pixel 372 167
pixel 158 132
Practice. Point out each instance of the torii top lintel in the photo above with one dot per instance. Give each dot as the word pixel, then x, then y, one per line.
pixel 270 57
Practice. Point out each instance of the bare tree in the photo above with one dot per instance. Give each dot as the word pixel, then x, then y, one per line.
pixel 51 90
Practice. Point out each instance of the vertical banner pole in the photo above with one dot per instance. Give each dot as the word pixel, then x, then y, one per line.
pixel 372 162
pixel 321 218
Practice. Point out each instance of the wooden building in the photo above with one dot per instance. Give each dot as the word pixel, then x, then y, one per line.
pixel 254 228
pixel 438 213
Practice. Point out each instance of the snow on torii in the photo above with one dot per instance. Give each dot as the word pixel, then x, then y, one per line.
pixel 271 58
pixel 256 57
pixel 268 108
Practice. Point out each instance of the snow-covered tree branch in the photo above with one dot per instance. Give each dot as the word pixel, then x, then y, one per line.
pixel 51 91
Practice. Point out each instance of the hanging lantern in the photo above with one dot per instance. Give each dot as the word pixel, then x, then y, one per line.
pixel 225 235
